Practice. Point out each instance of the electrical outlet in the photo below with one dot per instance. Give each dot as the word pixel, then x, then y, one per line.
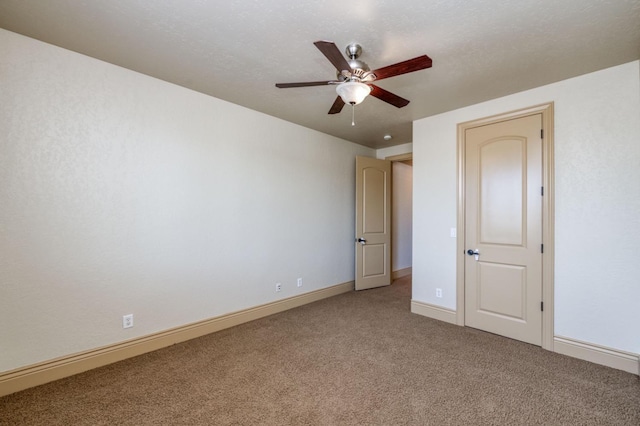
pixel 127 321
pixel 438 292
pixel 278 287
pixel 299 282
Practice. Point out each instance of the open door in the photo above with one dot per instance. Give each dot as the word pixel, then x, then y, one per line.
pixel 373 223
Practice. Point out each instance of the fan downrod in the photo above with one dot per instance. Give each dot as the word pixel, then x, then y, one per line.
pixel 353 50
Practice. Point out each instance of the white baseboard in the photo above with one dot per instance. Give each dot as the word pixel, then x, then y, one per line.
pixel 613 358
pixel 400 273
pixel 41 373
pixel 433 311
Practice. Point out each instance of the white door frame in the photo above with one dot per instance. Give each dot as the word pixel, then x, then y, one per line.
pixel 547 213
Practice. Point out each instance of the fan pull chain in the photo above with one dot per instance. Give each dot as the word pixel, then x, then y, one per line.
pixel 353 114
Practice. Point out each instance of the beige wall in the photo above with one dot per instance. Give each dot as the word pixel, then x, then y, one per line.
pixel 124 194
pixel 597 148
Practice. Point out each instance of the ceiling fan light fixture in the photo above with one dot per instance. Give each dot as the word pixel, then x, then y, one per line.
pixel 353 92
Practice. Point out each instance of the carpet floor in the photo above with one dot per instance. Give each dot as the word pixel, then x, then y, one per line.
pixel 360 358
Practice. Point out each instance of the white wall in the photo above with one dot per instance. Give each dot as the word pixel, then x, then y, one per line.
pixel 383 153
pixel 124 194
pixel 401 222
pixel 597 218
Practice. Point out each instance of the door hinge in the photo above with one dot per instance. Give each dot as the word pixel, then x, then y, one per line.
pixel 541 133
pixel 541 248
pixel 542 190
pixel 542 306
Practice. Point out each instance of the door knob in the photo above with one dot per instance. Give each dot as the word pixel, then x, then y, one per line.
pixel 475 253
pixel 361 240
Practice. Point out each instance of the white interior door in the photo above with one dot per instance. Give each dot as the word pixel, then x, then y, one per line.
pixel 373 223
pixel 503 228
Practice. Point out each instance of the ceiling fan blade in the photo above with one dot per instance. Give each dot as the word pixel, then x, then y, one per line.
pixel 337 106
pixel 388 97
pixel 411 65
pixel 333 54
pixel 306 84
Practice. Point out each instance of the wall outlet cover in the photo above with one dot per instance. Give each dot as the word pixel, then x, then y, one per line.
pixel 127 321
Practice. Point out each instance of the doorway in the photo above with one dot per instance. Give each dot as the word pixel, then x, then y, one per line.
pixel 401 215
pixel 505 211
pixel 383 220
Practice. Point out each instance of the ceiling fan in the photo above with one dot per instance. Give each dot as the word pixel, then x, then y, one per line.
pixel 355 79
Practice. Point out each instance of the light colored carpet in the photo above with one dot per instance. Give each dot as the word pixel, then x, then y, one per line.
pixel 355 359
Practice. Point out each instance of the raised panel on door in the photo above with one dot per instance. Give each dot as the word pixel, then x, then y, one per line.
pixel 373 261
pixel 502 290
pixel 374 206
pixel 502 198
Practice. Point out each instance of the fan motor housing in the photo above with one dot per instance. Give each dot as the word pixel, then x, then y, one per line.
pixel 358 67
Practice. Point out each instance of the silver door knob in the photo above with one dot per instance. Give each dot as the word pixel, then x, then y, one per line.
pixel 361 240
pixel 475 253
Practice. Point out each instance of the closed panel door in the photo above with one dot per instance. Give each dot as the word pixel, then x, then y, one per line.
pixel 503 228
pixel 373 222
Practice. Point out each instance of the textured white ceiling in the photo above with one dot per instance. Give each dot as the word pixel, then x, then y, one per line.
pixel 238 50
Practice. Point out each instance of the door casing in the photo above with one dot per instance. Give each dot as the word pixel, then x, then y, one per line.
pixel 547 213
pixel 401 158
